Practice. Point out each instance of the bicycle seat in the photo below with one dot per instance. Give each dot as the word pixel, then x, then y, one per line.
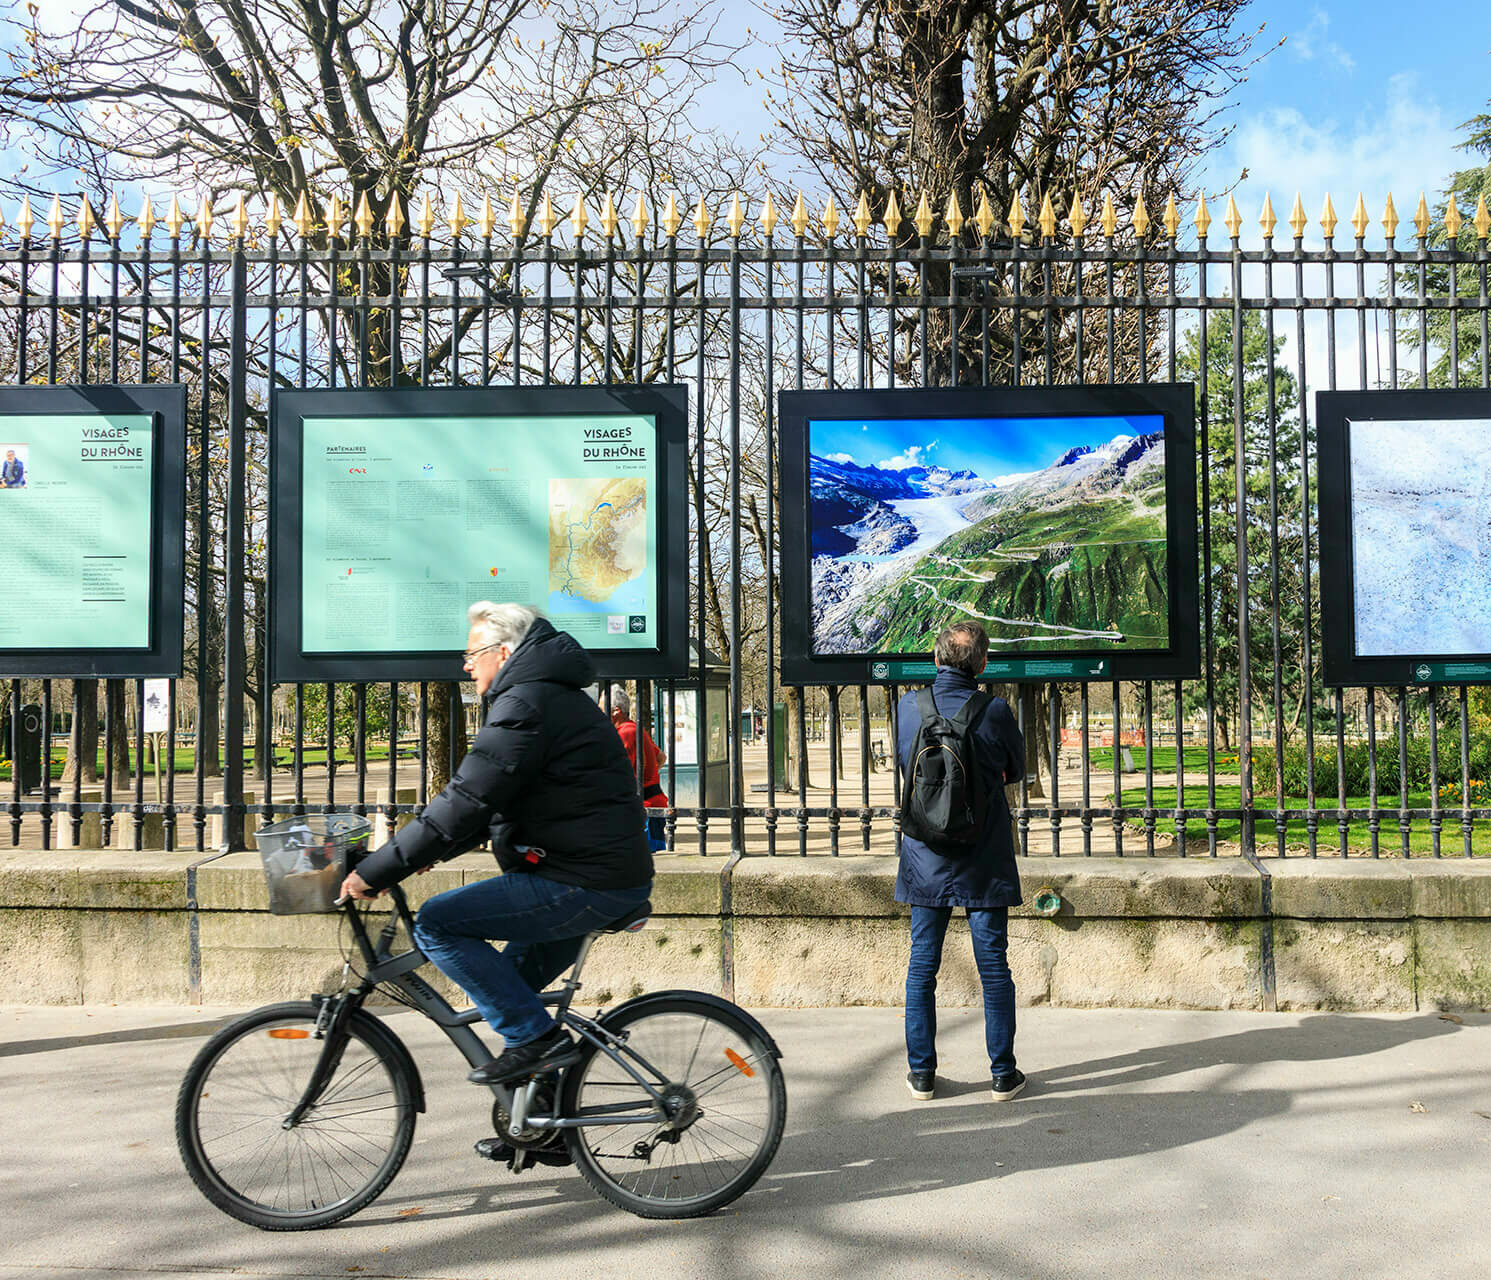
pixel 630 922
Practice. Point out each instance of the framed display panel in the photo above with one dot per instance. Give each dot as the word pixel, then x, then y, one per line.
pixel 92 530
pixel 393 510
pixel 1062 518
pixel 1405 536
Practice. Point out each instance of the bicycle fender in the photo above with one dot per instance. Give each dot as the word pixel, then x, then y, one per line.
pixel 376 1028
pixel 703 997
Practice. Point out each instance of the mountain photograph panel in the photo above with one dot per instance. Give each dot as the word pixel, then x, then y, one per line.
pixel 1050 530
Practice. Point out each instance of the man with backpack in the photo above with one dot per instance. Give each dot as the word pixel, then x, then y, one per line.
pixel 958 748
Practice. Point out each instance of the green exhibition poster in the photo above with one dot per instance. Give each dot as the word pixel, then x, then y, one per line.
pixel 76 495
pixel 408 521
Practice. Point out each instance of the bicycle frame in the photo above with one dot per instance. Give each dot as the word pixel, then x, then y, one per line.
pixel 381 965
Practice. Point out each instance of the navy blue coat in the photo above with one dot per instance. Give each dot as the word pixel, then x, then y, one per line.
pixel 985 877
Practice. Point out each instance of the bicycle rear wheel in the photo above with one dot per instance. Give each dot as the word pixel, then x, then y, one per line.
pixel 724 1086
pixel 233 1105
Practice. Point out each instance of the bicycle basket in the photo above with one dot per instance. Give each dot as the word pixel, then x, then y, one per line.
pixel 305 859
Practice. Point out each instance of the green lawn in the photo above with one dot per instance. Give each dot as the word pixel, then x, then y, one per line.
pixel 1328 836
pixel 284 758
pixel 1164 760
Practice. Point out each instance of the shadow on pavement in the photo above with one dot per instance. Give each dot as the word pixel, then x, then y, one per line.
pixel 174 1031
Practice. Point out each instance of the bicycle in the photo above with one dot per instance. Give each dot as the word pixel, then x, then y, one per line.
pixel 300 1114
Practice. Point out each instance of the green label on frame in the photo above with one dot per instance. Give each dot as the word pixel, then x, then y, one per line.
pixel 1015 669
pixel 1451 673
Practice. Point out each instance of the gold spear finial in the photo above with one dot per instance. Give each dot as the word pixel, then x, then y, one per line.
pixel 1077 216
pixel 1140 217
pixel 800 216
pixel 893 217
pixel 1421 217
pixel 487 222
pixel 769 216
pixel 1389 217
pixel 547 218
pixel 1172 216
pixel 1232 220
pixel 1297 220
pixel 1110 217
pixel 672 219
pixel 640 216
pixel 984 216
pixel 830 217
pixel 1482 219
pixel 113 219
pixel 240 220
pixel 393 220
pixel 86 220
pixel 1047 218
pixel 304 224
pixel 146 220
pixel 1359 220
pixel 1328 217
pixel 1266 219
pixel 609 219
pixel 737 219
pixel 362 219
pixel 425 223
pixel 54 218
pixel 1203 216
pixel 516 222
pixel 954 215
pixel 702 220
pixel 204 218
pixel 1452 220
pixel 1017 218
pixel 862 216
pixel 334 215
pixel 25 222
pixel 273 215
pixel 923 217
pixel 174 219
pixel 458 218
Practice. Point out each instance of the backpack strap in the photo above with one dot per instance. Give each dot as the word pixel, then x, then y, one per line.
pixel 926 705
pixel 969 713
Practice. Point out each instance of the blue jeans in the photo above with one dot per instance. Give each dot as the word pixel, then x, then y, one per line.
pixel 543 924
pixel 989 927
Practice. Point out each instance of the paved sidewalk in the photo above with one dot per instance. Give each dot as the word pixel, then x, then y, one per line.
pixel 1148 1145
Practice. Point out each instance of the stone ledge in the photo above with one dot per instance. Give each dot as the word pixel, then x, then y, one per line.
pixel 1329 889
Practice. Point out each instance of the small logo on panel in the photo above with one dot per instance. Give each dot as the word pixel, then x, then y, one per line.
pixel 1423 671
pixel 636 623
pixel 429 466
pixel 880 670
pixel 615 624
pixel 493 571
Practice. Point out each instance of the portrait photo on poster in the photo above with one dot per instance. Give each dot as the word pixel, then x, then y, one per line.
pixel 15 464
pixel 1062 519
pixel 1405 530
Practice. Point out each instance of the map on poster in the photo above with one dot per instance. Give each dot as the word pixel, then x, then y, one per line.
pixel 406 521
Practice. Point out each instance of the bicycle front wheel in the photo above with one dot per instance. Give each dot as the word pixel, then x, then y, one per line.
pixel 722 1086
pixel 244 1154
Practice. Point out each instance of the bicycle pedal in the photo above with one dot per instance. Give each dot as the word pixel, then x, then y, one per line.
pixel 494 1149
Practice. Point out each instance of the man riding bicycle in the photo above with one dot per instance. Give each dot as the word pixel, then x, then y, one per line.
pixel 547 780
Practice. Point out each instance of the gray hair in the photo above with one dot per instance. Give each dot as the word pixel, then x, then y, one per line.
pixel 620 702
pixel 501 623
pixel 964 645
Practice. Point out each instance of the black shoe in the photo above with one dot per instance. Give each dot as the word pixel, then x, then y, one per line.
pixel 1007 1086
pixel 497 1149
pixel 494 1149
pixel 923 1084
pixel 553 1049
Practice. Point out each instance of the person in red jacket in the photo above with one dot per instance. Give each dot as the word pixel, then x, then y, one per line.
pixel 653 758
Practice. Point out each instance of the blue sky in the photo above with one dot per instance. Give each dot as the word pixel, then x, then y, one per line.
pixel 990 447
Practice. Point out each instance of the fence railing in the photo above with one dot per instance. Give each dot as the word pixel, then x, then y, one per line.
pixel 1256 754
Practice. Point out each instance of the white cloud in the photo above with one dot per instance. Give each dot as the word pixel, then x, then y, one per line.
pixel 840 457
pixel 916 455
pixel 1313 41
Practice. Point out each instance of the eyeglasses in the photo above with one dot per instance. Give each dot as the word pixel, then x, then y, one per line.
pixel 471 655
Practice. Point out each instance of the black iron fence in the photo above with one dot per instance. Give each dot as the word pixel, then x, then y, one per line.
pixel 1256 754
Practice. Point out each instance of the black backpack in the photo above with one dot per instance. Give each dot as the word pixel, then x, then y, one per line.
pixel 945 805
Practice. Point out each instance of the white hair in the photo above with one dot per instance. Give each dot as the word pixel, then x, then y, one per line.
pixel 501 623
pixel 620 702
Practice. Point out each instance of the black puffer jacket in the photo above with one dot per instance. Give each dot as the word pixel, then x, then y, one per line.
pixel 546 770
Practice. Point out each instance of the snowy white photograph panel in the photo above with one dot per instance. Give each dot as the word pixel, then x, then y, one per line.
pixel 1050 531
pixel 1421 537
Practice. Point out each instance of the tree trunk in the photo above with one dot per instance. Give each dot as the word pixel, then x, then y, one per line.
pixel 440 763
pixel 82 742
pixel 119 749
pixel 796 737
pixel 209 735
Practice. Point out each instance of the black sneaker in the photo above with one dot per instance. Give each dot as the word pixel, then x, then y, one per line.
pixel 497 1149
pixel 553 1049
pixel 1006 1087
pixel 923 1084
